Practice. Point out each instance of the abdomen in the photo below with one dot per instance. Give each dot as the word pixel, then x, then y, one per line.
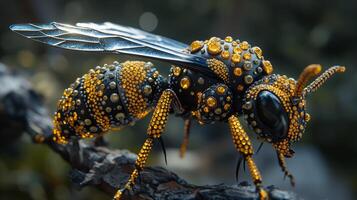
pixel 107 97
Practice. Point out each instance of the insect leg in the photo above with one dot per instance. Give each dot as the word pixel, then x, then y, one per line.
pixel 284 168
pixel 283 150
pixel 184 144
pixel 154 131
pixel 244 146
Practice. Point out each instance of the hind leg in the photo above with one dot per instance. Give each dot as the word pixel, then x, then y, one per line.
pixel 154 131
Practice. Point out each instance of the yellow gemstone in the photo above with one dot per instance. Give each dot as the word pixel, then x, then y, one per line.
pixel 199 95
pixel 234 43
pixel 244 45
pixel 301 127
pixel 185 83
pixel 221 90
pixel 268 68
pixel 177 71
pixel 196 46
pixel 240 87
pixel 226 106
pixel 237 71
pixel 214 47
pixel 258 52
pixel 211 102
pixel 228 39
pixel 100 93
pixel 237 50
pixel 68 92
pixel 302 114
pixel 235 58
pixel 225 54
pixel 206 109
pixel 247 56
pixel 301 105
pixel 307 117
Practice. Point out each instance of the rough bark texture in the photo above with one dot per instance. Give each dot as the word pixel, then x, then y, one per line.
pixel 22 110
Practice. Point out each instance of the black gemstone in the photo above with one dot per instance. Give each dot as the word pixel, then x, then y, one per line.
pixel 271 113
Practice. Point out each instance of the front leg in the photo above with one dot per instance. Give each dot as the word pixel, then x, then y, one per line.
pixel 244 146
pixel 154 131
pixel 283 150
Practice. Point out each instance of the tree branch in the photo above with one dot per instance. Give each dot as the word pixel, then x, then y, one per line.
pixel 98 166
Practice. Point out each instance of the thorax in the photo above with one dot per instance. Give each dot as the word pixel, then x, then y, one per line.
pixel 204 98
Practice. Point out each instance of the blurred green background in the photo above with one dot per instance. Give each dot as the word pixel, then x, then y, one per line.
pixel 292 35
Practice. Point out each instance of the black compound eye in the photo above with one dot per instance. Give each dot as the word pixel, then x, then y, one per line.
pixel 272 114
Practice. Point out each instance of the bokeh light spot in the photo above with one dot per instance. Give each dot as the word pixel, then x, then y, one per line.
pixel 26 58
pixel 148 21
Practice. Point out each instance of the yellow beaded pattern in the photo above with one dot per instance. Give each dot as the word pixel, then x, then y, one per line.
pixel 229 55
pixel 95 89
pixel 283 147
pixel 240 138
pixel 155 129
pixel 284 88
pixel 254 172
pixel 244 146
pixel 219 68
pixel 132 76
pixel 144 153
pixel 321 79
pixel 57 133
pixel 139 164
pixel 159 117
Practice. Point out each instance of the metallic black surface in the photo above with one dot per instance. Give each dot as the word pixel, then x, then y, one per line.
pixel 116 111
pixel 188 97
pixel 272 114
pixel 218 112
pixel 252 67
pixel 203 80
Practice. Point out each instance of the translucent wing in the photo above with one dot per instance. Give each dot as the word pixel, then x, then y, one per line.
pixel 129 31
pixel 112 38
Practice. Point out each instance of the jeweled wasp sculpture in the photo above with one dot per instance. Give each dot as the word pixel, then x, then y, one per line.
pixel 209 81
